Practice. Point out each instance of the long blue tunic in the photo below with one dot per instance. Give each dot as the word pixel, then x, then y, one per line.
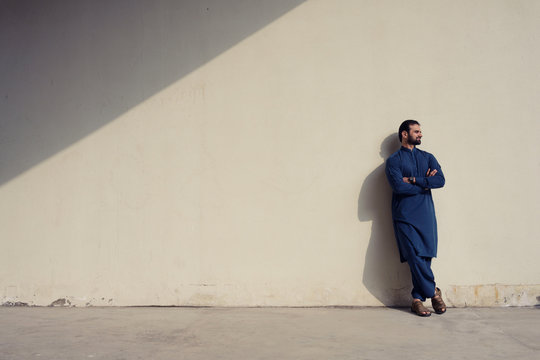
pixel 413 213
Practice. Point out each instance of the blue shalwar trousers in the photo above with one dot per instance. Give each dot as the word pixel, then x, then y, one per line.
pixel 422 276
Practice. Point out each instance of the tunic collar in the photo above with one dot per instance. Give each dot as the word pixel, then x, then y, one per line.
pixel 403 148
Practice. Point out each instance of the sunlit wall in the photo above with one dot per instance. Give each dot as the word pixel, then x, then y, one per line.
pixel 231 153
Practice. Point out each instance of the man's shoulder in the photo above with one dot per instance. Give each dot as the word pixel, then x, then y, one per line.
pixel 395 156
pixel 425 153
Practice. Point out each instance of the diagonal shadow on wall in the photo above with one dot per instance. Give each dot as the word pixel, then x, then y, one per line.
pixel 384 276
pixel 68 68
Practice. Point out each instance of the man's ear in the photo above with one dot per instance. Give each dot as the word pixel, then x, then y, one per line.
pixel 404 134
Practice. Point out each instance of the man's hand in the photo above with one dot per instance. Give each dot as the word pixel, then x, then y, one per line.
pixel 406 179
pixel 429 173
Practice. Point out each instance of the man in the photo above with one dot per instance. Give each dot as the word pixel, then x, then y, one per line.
pixel 412 174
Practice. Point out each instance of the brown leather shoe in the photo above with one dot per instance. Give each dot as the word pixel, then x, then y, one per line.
pixel 419 309
pixel 437 302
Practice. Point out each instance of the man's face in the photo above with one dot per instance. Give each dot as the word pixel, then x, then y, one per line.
pixel 414 137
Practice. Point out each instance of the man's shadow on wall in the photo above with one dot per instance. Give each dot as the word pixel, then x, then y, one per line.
pixel 384 276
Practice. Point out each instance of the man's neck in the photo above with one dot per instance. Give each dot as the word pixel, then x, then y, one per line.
pixel 407 146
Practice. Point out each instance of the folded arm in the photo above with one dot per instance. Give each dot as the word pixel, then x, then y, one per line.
pixel 434 178
pixel 397 183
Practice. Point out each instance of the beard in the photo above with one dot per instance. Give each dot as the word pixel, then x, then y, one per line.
pixel 416 141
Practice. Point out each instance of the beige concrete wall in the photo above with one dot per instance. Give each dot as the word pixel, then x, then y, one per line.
pixel 231 152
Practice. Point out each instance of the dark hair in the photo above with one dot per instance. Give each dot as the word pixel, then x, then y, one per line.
pixel 405 126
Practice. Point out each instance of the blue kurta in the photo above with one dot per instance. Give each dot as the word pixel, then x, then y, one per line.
pixel 413 212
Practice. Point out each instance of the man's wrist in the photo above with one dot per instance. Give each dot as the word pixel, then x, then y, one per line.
pixel 412 180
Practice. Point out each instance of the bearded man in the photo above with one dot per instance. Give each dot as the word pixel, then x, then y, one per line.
pixel 412 173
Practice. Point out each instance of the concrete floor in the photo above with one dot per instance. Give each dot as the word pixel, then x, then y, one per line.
pixel 267 333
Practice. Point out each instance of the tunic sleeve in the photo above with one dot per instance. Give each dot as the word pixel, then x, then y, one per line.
pixel 432 182
pixel 395 178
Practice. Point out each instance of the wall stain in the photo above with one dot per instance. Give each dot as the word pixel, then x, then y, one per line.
pixel 60 302
pixel 14 303
pixel 493 295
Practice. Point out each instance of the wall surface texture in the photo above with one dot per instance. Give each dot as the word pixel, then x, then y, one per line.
pixel 231 153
